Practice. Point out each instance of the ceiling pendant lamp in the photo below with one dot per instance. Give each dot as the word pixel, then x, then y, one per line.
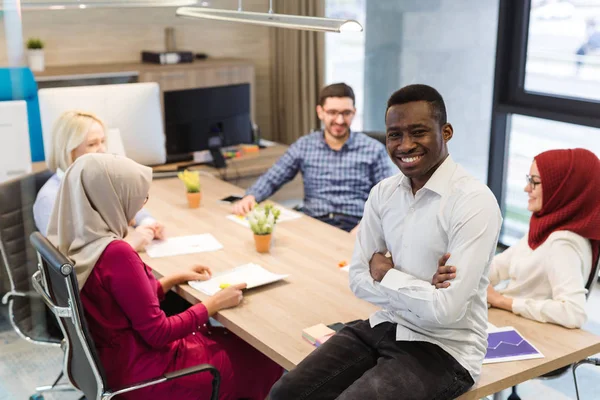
pixel 85 4
pixel 271 19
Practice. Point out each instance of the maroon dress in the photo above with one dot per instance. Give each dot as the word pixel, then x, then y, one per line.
pixel 137 341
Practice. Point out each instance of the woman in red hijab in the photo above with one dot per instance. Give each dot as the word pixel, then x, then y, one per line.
pixel 549 268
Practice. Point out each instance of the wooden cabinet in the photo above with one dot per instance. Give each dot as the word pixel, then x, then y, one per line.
pixel 211 72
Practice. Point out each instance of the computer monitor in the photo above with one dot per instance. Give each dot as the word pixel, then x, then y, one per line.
pixel 132 108
pixel 15 155
pixel 193 116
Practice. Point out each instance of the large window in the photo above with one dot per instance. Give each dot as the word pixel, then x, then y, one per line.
pixel 529 137
pixel 345 58
pixel 563 51
pixel 547 94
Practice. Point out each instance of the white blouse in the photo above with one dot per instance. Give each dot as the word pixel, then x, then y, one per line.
pixel 547 284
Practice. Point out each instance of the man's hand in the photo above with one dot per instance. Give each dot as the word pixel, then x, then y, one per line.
pixel 245 205
pixel 444 273
pixel 379 266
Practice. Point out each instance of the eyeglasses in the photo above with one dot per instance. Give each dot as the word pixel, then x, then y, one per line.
pixel 334 113
pixel 531 182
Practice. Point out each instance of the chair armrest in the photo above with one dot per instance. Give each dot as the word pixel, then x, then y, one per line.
pixel 10 294
pixel 169 376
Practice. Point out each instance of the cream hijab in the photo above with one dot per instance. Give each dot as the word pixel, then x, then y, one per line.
pixel 98 196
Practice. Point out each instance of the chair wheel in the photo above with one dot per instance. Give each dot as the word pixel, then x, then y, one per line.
pixel 36 397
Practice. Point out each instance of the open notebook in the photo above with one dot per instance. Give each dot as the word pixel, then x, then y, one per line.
pixel 252 274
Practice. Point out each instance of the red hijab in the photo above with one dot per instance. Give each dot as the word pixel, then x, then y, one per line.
pixel 571 197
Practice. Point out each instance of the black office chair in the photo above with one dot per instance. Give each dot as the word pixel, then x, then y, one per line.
pixel 560 371
pixel 56 283
pixel 27 313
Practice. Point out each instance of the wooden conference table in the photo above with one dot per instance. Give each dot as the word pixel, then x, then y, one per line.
pixel 271 318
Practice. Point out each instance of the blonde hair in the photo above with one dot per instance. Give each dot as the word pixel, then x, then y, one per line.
pixel 69 131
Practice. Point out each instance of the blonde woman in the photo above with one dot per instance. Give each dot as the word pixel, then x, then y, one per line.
pixel 74 134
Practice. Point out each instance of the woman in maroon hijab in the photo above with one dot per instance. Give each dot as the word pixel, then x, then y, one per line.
pixel 547 271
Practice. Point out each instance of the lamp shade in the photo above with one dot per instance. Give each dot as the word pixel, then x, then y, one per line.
pixel 83 4
pixel 272 19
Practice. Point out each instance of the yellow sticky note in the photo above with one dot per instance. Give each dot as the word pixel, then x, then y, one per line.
pixel 224 285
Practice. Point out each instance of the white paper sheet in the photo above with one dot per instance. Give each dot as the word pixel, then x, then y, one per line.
pixel 183 245
pixel 252 274
pixel 286 215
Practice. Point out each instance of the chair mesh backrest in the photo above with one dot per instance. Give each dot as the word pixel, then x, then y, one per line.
pixel 59 275
pixel 18 260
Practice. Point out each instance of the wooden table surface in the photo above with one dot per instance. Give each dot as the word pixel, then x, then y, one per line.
pixel 271 318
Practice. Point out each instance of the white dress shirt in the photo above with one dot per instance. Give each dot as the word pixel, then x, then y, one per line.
pixel 452 213
pixel 547 284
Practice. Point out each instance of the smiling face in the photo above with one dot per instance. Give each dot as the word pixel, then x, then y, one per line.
pixel 337 114
pixel 415 140
pixel 534 189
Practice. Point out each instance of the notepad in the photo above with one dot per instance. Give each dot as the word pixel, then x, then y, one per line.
pixel 286 215
pixel 183 245
pixel 317 334
pixel 253 275
pixel 507 344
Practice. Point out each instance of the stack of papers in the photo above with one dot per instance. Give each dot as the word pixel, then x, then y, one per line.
pixel 317 334
pixel 183 245
pixel 507 344
pixel 286 215
pixel 253 275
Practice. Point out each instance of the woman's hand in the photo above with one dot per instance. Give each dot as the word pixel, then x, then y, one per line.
pixel 226 298
pixel 497 300
pixel 140 237
pixel 196 273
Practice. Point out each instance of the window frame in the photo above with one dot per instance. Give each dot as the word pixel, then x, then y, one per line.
pixel 510 96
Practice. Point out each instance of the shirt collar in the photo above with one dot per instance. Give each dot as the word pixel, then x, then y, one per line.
pixel 440 179
pixel 60 173
pixel 348 143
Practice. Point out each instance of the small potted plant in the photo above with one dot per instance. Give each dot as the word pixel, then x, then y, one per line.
pixel 191 180
pixel 262 221
pixel 35 54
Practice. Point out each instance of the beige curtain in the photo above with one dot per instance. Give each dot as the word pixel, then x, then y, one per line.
pixel 297 72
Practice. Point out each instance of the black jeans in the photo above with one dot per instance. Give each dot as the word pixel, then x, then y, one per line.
pixel 364 363
pixel 345 222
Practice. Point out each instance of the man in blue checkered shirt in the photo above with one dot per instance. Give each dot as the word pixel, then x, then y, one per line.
pixel 339 167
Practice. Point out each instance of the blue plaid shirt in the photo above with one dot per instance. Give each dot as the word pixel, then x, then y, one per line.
pixel 334 181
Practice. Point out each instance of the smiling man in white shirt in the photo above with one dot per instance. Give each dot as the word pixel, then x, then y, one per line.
pixel 425 343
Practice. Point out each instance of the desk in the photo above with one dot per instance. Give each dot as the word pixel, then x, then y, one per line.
pixel 560 347
pixel 272 318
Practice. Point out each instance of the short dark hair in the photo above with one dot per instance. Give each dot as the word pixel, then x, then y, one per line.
pixel 411 93
pixel 336 90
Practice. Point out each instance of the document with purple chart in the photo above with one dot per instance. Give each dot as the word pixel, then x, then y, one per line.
pixel 506 344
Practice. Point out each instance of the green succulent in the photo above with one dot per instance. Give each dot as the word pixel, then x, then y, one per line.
pixel 262 219
pixel 35 44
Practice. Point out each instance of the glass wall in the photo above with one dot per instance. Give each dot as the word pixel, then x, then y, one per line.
pixel 403 44
pixel 345 54
pixel 528 137
pixel 547 94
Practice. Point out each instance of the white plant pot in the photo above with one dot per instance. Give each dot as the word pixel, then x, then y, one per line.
pixel 35 59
